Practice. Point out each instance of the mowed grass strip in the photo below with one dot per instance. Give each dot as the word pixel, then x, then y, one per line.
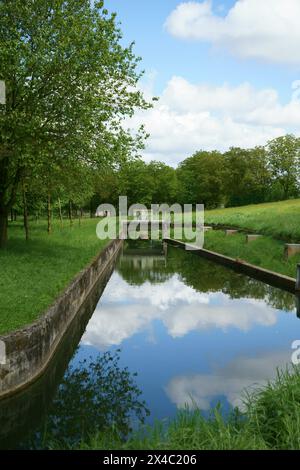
pixel 277 219
pixel 265 252
pixel 34 273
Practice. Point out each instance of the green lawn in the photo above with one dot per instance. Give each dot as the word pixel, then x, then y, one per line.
pixel 34 273
pixel 277 219
pixel 265 251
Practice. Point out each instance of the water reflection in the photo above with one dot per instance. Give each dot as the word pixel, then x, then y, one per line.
pixel 201 275
pixel 95 396
pixel 184 293
pixel 196 331
pixel 126 310
pixel 239 374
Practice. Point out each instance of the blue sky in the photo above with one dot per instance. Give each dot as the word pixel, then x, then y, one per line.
pixel 224 43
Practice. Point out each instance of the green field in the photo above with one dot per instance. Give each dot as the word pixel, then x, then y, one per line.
pixel 279 222
pixel 34 273
pixel 276 219
pixel 265 251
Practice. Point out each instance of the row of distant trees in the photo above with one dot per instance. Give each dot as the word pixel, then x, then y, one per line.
pixel 236 177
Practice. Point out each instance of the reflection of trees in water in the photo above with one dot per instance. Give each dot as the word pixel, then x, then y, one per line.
pixel 143 261
pixel 95 396
pixel 205 276
pixel 138 274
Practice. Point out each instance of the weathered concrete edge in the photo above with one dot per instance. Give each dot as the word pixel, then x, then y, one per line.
pixel 245 230
pixel 30 349
pixel 270 277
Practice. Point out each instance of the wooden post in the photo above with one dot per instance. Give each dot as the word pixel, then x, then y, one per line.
pixel 49 214
pixel 70 212
pixel 25 212
pixel 297 297
pixel 298 278
pixel 60 212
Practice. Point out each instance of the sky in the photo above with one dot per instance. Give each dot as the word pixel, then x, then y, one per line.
pixel 227 72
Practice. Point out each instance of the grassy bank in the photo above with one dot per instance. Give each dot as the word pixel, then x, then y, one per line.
pixel 277 219
pixel 271 420
pixel 265 251
pixel 34 273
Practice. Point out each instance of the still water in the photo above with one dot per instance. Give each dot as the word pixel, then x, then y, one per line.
pixel 194 332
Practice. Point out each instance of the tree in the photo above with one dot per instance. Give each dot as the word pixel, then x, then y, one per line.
pixel 284 163
pixel 69 85
pixel 247 179
pixel 200 179
pixel 136 182
pixel 165 183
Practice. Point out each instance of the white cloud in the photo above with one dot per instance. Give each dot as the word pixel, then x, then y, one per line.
pixel 267 30
pixel 125 310
pixel 189 117
pixel 231 381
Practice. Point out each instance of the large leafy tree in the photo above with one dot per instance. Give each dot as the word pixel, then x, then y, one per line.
pixel 246 176
pixel 69 84
pixel 200 179
pixel 165 183
pixel 284 164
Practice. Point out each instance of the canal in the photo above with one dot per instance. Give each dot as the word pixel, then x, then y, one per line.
pixel 170 330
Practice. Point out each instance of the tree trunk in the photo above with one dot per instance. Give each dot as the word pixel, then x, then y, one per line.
pixel 60 212
pixel 49 214
pixel 3 228
pixel 80 215
pixel 70 213
pixel 11 215
pixel 25 213
pixel 15 216
pixel 8 189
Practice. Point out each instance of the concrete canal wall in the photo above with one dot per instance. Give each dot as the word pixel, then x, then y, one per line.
pixel 29 350
pixel 269 277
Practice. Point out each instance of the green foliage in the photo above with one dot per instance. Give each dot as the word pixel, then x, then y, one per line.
pixel 242 176
pixel 69 86
pixel 200 179
pixel 165 183
pixel 99 395
pixel 284 164
pixel 246 176
pixel 142 183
